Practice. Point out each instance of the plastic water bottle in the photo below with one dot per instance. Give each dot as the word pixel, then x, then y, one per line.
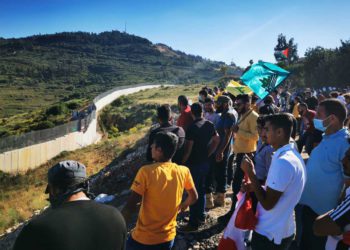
pixel 104 198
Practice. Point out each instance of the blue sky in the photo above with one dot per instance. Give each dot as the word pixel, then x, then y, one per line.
pixel 217 29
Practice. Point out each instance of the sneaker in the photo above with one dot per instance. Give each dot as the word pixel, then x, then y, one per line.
pixel 224 219
pixel 209 201
pixel 220 200
pixel 187 229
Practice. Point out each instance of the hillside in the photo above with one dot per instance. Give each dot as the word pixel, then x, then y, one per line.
pixel 41 70
pixel 22 194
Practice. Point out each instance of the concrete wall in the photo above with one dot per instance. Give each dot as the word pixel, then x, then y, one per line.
pixel 23 159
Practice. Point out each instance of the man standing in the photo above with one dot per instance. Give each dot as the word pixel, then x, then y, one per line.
pixel 284 185
pixel 164 119
pixel 159 188
pixel 309 136
pixel 214 117
pixel 73 221
pixel 335 223
pixel 295 112
pixel 224 127
pixel 246 137
pixel 201 142
pixel 324 170
pixel 209 111
pixel 311 100
pixel 185 119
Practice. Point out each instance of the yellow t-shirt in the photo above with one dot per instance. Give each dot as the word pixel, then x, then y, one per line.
pixel 296 111
pixel 161 186
pixel 247 136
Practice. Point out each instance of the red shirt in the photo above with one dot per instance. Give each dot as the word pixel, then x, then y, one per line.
pixel 308 120
pixel 185 118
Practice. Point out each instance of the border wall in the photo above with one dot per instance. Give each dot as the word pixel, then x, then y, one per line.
pixel 30 150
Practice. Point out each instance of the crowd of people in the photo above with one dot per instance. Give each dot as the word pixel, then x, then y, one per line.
pixel 218 143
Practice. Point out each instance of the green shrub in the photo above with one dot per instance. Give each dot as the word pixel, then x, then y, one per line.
pixel 72 105
pixel 58 109
pixel 43 125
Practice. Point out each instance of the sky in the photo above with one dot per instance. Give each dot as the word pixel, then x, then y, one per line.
pixel 222 30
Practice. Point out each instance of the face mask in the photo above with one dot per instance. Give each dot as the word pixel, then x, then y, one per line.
pixel 318 123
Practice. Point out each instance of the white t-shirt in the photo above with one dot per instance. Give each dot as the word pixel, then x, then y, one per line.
pixel 287 174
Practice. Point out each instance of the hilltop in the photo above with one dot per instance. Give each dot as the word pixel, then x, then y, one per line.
pixel 40 70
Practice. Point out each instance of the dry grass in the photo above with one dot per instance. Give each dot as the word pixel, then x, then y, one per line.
pixel 21 195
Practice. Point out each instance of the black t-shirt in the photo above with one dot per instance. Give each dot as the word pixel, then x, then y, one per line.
pixel 75 225
pixel 178 131
pixel 267 109
pixel 311 102
pixel 200 132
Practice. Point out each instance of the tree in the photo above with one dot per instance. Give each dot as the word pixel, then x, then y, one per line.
pixel 223 69
pixel 286 52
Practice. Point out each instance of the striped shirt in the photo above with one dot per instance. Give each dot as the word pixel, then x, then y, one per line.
pixel 341 214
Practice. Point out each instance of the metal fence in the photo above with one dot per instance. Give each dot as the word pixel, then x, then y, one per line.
pixel 35 137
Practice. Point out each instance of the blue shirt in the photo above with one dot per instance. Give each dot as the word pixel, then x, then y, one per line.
pixel 262 159
pixel 324 172
pixel 227 120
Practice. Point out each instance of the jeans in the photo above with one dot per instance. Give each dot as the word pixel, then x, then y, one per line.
pixel 210 180
pixel 260 242
pixel 237 179
pixel 132 244
pixel 199 174
pixel 221 174
pixel 309 241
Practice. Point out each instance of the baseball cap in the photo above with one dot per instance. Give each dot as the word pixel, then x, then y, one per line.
pixel 66 173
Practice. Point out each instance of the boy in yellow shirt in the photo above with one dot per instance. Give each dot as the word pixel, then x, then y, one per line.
pixel 159 188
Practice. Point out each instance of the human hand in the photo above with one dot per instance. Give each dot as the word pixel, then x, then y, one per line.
pixel 247 166
pixel 246 186
pixel 235 129
pixel 183 207
pixel 219 156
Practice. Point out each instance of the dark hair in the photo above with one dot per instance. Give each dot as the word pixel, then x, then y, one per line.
pixel 254 98
pixel 167 142
pixel 303 104
pixel 244 98
pixel 281 120
pixel 297 98
pixel 334 107
pixel 267 109
pixel 334 94
pixel 164 112
pixel 232 97
pixel 182 100
pixel 208 100
pixel 203 92
pixel 268 100
pixel 196 109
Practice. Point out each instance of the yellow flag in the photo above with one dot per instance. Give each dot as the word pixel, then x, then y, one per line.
pixel 236 88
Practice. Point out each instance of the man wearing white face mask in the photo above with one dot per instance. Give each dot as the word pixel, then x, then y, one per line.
pixel 324 170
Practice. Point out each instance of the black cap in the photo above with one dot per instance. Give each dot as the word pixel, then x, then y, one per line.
pixel 66 173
